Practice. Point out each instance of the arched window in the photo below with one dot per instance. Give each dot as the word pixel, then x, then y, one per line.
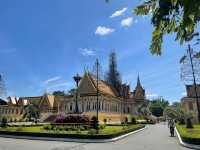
pixel 70 107
pixel 82 107
pixel 128 110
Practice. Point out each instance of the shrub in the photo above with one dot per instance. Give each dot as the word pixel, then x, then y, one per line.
pixel 133 120
pixel 47 127
pixel 11 120
pixel 94 122
pixel 189 123
pixel 126 120
pixel 92 131
pixel 15 120
pixel 4 122
pixel 19 129
pixel 181 121
pixel 78 131
pixel 101 127
pixel 105 121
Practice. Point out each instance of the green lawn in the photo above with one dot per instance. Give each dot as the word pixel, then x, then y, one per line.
pixel 191 136
pixel 106 131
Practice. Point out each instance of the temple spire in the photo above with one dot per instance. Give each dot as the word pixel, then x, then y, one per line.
pixel 138 80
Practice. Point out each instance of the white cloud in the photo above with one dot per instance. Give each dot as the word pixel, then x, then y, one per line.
pixel 184 94
pixel 127 22
pixel 87 52
pixel 101 30
pixel 56 78
pixel 118 13
pixel 151 95
pixel 63 85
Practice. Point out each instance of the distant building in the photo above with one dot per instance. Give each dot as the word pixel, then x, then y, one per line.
pixel 189 101
pixel 111 106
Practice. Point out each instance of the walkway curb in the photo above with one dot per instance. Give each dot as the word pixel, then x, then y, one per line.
pixel 73 140
pixel 192 146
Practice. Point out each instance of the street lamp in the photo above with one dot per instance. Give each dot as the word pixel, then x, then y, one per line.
pixel 97 75
pixel 76 78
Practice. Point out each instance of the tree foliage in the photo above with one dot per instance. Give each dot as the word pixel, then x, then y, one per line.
pixel 59 93
pixel 113 76
pixel 143 110
pixel 157 107
pixel 171 16
pixel 72 91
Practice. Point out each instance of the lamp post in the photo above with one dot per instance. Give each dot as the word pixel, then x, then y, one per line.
pixel 76 78
pixel 97 71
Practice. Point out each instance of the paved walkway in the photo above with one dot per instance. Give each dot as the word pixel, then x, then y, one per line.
pixel 155 137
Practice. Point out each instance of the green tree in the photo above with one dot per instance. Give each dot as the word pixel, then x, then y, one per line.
pixel 171 16
pixel 113 76
pixel 157 106
pixel 176 112
pixel 4 122
pixel 31 112
pixel 72 91
pixel 144 111
pixel 59 93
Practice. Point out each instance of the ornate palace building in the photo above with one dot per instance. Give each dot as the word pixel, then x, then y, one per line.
pixel 189 102
pixel 113 106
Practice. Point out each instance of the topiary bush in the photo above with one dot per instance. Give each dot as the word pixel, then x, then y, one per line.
pixel 126 120
pixel 4 122
pixel 189 123
pixel 105 121
pixel 94 122
pixel 133 120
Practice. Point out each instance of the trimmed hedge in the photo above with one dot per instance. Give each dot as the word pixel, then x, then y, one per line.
pixel 79 136
pixel 190 140
pixel 186 137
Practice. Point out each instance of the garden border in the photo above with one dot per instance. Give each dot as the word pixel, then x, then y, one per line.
pixel 74 139
pixel 192 146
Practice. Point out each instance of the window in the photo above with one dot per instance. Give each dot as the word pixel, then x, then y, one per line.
pixel 70 107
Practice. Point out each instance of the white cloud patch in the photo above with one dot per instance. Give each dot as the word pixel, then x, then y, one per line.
pixel 87 51
pixel 127 22
pixel 184 94
pixel 101 30
pixel 53 79
pixel 63 84
pixel 118 13
pixel 152 95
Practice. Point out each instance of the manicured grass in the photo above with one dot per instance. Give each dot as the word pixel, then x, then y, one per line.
pixel 191 136
pixel 107 132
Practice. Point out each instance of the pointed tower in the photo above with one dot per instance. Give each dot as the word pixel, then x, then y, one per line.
pixel 139 92
pixel 138 81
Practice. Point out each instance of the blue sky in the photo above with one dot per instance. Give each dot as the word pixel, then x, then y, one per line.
pixel 44 43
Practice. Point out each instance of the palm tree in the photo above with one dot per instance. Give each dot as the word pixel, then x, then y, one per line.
pixel 31 112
